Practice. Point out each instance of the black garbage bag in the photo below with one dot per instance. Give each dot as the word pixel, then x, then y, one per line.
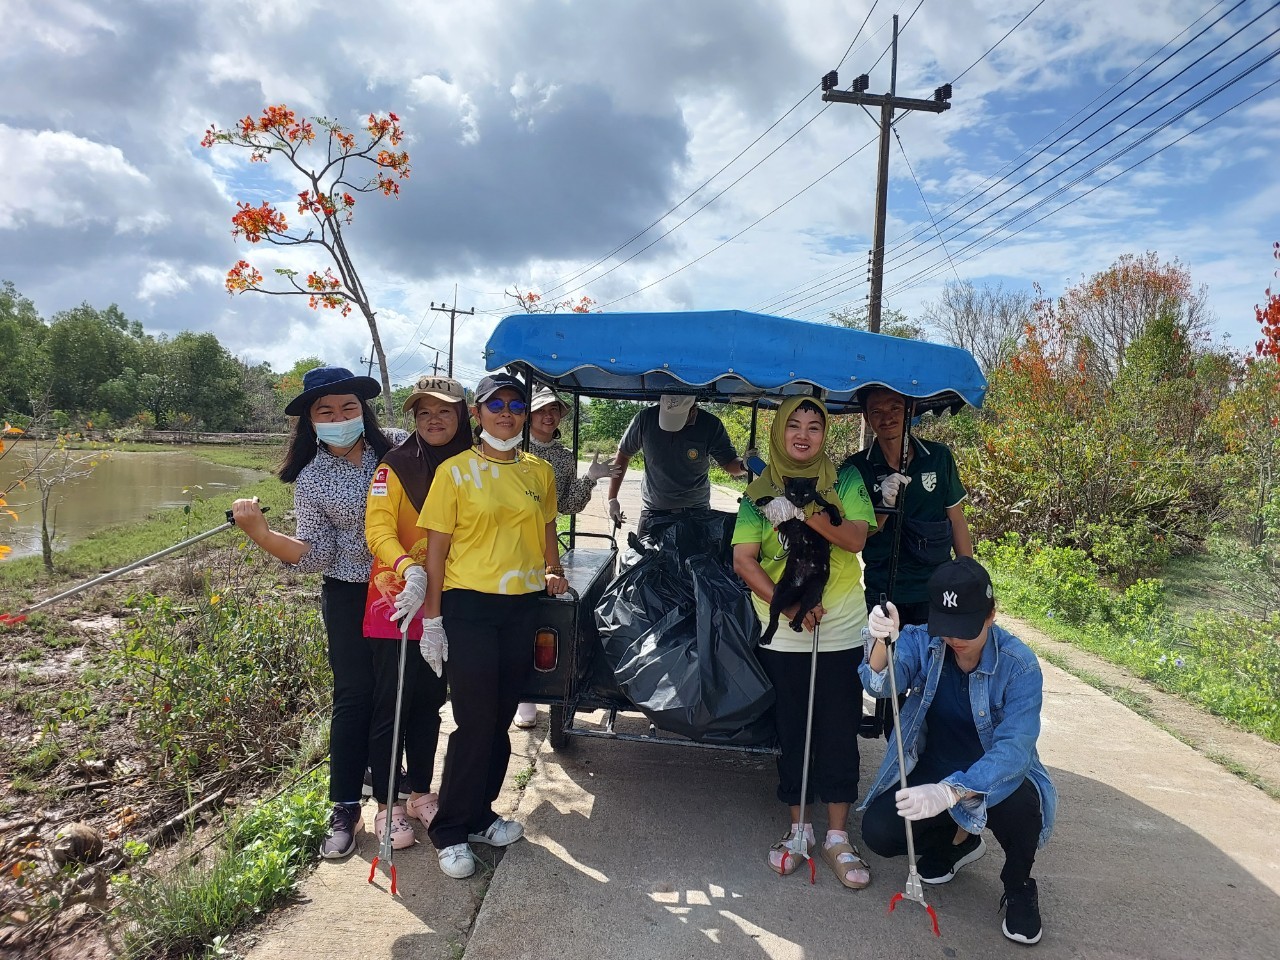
pixel 678 631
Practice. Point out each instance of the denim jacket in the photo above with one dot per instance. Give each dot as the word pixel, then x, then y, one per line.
pixel 1005 693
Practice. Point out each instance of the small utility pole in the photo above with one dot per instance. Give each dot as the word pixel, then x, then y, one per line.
pixel 435 367
pixel 369 361
pixel 887 103
pixel 453 313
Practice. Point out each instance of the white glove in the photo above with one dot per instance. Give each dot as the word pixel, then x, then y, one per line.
pixel 890 487
pixel 779 510
pixel 615 512
pixel 925 801
pixel 434 644
pixel 883 622
pixel 410 597
pixel 598 470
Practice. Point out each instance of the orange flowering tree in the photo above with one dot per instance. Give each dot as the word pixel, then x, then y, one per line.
pixel 336 167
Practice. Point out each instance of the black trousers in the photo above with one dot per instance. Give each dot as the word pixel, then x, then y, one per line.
pixel 1014 821
pixel 490 659
pixel 837 708
pixel 424 695
pixel 351 661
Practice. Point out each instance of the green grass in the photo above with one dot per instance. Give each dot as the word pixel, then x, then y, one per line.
pixel 1226 663
pixel 265 852
pixel 521 779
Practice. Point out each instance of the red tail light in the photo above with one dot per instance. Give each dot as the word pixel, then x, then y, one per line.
pixel 546 650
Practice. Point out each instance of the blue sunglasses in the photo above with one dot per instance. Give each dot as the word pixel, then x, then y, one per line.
pixel 497 405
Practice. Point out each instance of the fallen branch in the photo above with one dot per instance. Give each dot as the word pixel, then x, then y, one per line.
pixel 171 825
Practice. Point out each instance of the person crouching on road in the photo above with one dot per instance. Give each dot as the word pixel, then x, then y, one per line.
pixel 331 457
pixel 491 517
pixel 397 587
pixel 573 493
pixel 796 449
pixel 970 726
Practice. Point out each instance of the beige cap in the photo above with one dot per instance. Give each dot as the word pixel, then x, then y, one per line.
pixel 544 397
pixel 442 388
pixel 673 411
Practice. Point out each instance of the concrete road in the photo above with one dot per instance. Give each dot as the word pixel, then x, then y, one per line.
pixel 639 851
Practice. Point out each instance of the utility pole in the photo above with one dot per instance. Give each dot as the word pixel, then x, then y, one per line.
pixel 887 103
pixel 369 361
pixel 453 313
pixel 435 367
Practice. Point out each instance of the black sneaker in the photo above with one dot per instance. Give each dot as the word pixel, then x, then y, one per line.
pixel 340 841
pixel 940 864
pixel 401 791
pixel 1022 913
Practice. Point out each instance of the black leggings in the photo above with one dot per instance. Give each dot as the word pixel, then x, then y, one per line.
pixel 424 695
pixel 490 659
pixel 837 707
pixel 351 661
pixel 1014 821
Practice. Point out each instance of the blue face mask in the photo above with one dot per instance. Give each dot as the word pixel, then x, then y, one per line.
pixel 340 435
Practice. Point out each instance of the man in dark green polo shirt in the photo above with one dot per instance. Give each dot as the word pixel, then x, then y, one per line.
pixel 931 495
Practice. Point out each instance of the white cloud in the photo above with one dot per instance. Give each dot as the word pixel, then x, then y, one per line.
pixel 57 179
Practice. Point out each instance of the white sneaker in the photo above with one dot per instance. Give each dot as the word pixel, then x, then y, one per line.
pixel 457 861
pixel 501 833
pixel 526 716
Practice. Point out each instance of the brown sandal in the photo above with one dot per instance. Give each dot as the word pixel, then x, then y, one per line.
pixel 790 862
pixel 832 854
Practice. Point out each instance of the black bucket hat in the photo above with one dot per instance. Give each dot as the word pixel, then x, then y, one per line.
pixel 323 381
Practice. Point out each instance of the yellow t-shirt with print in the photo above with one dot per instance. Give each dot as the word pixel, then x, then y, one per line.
pixel 497 514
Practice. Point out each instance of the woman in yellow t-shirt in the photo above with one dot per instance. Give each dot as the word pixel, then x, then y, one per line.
pixel 491 514
pixel 396 590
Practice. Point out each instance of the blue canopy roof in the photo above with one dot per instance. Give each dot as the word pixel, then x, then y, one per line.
pixel 728 356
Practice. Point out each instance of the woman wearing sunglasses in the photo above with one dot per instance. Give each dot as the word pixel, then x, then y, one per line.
pixel 491 515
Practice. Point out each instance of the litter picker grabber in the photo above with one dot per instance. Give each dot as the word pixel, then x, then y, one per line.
pixel 384 856
pixel 798 845
pixel 12 619
pixel 914 889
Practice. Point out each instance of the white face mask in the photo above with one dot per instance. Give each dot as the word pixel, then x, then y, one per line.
pixel 502 446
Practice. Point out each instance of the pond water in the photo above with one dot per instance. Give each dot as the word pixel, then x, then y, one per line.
pixel 123 487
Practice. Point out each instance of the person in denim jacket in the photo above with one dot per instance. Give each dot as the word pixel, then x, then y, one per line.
pixel 969 731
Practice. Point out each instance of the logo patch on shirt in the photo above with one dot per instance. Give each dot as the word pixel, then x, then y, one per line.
pixel 692 453
pixel 379 488
pixel 929 481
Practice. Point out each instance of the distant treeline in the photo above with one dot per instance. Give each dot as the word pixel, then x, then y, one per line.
pixel 90 368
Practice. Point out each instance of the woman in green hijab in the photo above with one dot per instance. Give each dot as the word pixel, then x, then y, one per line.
pixel 797 449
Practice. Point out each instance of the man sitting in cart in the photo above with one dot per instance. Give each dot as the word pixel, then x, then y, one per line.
pixel 934 524
pixel 679 440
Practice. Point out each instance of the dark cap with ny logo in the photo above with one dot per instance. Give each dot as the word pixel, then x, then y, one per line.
pixel 960 599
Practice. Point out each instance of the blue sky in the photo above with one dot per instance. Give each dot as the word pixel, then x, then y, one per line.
pixel 544 133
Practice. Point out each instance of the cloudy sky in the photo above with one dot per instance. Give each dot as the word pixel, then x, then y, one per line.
pixel 545 134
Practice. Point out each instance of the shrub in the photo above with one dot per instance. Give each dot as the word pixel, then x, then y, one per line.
pixel 223 680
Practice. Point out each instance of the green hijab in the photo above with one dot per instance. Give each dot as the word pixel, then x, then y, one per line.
pixel 781 465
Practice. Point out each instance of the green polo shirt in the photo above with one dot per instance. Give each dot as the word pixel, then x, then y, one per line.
pixel 935 486
pixel 843 599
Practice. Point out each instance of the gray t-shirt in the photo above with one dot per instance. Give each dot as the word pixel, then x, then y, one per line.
pixel 676 464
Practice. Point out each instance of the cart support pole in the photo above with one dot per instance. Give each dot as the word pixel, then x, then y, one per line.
pixel 577 419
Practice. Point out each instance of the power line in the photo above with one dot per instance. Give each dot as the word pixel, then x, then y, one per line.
pixel 1106 144
pixel 758 220
pixel 997 43
pixel 898 258
pixel 920 189
pixel 560 284
pixel 789 298
pixel 926 272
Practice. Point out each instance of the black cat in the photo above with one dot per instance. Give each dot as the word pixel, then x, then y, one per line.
pixel 808 557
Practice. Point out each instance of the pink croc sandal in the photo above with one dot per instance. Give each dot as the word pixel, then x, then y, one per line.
pixel 424 808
